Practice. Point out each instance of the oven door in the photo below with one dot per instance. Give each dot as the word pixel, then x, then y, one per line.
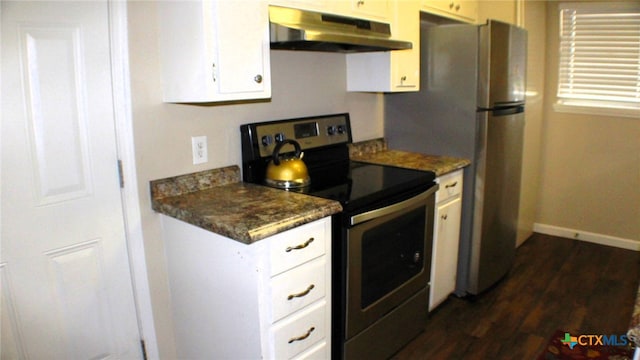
pixel 388 259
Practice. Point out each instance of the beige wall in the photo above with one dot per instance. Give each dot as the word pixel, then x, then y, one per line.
pixel 534 22
pixel 503 10
pixel 303 84
pixel 590 170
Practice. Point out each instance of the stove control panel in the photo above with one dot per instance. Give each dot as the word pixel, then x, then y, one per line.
pixel 310 132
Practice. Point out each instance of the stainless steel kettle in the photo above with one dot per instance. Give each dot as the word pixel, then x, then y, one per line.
pixel 287 172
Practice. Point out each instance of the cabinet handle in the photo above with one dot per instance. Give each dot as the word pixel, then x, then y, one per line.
pixel 303 336
pixel 457 7
pixel 451 5
pixel 257 78
pixel 301 246
pixel 444 217
pixel 213 72
pixel 301 294
pixel 451 185
pixel 360 3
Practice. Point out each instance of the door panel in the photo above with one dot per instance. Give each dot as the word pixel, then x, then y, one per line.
pixel 56 117
pixel 508 63
pixel 66 284
pixel 497 198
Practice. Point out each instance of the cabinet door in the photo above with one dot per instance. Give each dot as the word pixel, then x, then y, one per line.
pixel 242 50
pixel 445 251
pixel 390 71
pixel 375 9
pixel 209 52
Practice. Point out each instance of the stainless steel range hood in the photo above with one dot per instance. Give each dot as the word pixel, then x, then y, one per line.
pixel 294 29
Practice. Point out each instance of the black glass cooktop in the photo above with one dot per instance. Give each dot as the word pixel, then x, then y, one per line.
pixel 359 185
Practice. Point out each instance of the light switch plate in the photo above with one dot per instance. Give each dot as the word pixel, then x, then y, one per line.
pixel 199 149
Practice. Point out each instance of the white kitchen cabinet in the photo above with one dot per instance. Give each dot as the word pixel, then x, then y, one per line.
pixel 266 300
pixel 463 10
pixel 370 9
pixel 390 71
pixel 214 50
pixel 446 238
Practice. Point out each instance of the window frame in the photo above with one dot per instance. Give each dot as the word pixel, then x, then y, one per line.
pixel 592 106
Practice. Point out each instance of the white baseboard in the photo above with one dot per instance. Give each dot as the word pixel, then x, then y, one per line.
pixel 587 236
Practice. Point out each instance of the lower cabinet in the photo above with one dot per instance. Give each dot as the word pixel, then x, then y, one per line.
pixel 446 238
pixel 266 300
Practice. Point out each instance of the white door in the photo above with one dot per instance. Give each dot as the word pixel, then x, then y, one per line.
pixel 64 271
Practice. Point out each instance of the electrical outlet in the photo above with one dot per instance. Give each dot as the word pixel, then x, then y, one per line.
pixel 199 148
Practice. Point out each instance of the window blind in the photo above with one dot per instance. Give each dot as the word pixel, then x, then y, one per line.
pixel 600 55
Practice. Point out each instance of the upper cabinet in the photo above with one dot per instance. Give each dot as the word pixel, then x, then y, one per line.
pixel 373 9
pixel 214 50
pixel 390 71
pixel 463 10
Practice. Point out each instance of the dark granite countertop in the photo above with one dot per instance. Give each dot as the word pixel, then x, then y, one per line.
pixel 376 152
pixel 217 201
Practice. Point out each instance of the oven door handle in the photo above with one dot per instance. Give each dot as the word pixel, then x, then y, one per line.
pixel 369 215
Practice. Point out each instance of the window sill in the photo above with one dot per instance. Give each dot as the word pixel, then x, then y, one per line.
pixel 592 110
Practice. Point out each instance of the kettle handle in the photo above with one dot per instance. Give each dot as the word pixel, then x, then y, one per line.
pixel 276 151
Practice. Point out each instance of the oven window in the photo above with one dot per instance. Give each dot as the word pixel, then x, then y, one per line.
pixel 392 253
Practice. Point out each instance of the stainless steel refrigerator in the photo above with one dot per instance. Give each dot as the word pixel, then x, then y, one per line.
pixel 471 105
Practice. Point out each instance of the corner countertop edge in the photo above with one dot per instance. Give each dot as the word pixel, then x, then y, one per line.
pixel 216 200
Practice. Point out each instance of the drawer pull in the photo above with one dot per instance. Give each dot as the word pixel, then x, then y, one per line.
pixel 301 246
pixel 301 294
pixel 451 185
pixel 299 338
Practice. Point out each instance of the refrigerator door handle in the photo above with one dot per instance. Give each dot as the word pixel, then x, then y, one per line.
pixel 503 104
pixel 502 111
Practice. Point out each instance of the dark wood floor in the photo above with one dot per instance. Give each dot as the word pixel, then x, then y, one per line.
pixel 555 283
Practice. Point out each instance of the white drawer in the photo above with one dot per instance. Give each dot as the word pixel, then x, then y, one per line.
pixel 296 246
pixel 450 186
pixel 300 331
pixel 297 288
pixel 318 352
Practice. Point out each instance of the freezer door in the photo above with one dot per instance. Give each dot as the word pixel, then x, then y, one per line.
pixel 503 66
pixel 497 197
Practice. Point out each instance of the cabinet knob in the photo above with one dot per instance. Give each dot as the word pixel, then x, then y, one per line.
pixel 457 7
pixel 451 5
pixel 257 78
pixel 360 3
